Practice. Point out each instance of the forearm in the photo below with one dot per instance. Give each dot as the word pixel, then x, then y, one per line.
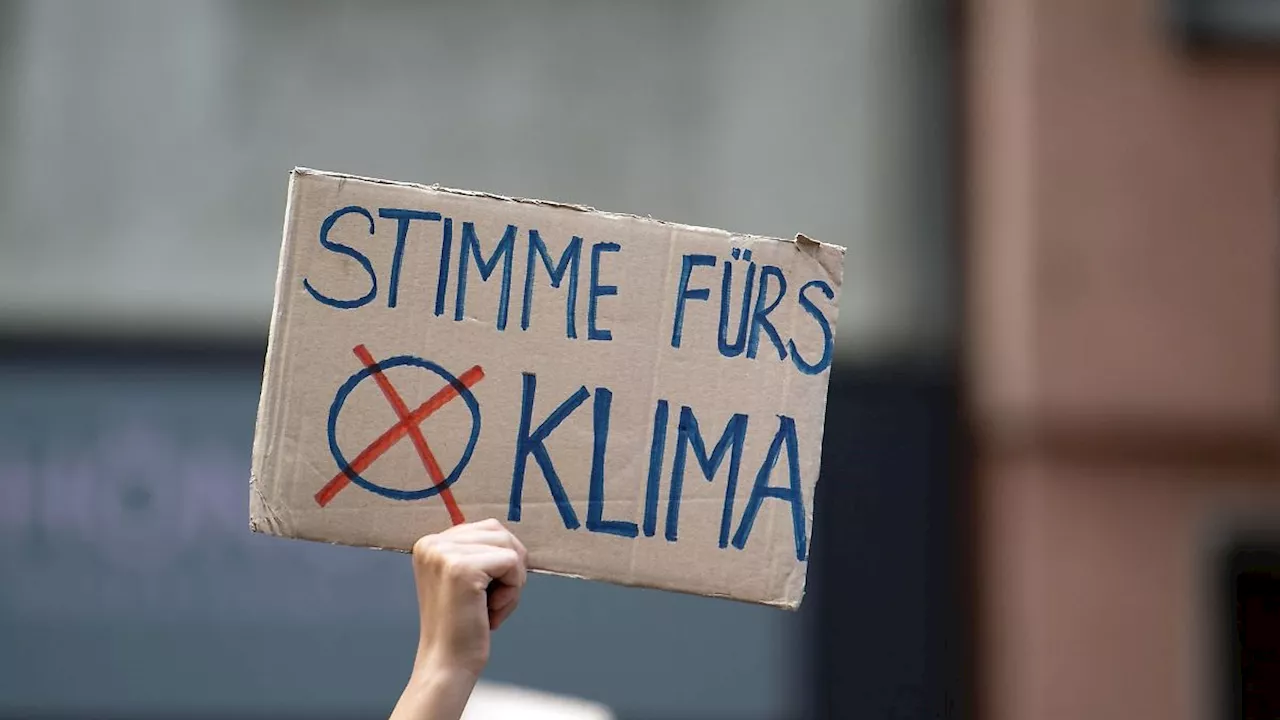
pixel 469 579
pixel 435 693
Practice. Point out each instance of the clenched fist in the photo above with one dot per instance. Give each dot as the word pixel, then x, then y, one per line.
pixel 469 579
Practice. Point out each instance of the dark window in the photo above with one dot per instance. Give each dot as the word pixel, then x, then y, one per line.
pixel 1230 22
pixel 1255 654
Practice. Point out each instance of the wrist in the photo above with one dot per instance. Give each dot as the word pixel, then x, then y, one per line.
pixel 435 692
pixel 430 665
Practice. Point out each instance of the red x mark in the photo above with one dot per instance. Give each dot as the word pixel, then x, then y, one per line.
pixel 407 425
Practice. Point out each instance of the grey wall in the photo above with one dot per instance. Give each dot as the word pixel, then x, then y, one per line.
pixel 146 143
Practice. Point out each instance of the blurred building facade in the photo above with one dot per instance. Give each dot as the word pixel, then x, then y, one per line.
pixel 1123 331
pixel 144 151
pixel 1117 209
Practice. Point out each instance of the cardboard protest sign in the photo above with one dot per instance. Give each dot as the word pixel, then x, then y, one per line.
pixel 641 402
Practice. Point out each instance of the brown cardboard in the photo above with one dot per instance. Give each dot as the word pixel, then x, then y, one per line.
pixel 359 328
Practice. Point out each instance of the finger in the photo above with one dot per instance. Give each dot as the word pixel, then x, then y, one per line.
pixel 503 600
pixel 501 564
pixel 484 536
pixel 500 596
pixel 494 525
pixel 498 617
pixel 456 549
pixel 524 554
pixel 492 538
pixel 489 524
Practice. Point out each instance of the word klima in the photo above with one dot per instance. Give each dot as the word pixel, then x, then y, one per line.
pixel 531 441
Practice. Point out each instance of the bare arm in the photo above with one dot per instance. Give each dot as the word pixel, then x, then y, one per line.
pixel 469 580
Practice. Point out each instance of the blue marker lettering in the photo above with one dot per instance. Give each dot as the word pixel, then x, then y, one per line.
pixel 442 278
pixel 761 490
pixel 688 436
pixel 471 249
pixel 760 315
pixel 735 348
pixel 595 497
pixel 598 290
pixel 404 217
pixel 827 339
pixel 528 443
pixel 683 292
pixel 350 252
pixel 656 448
pixel 569 262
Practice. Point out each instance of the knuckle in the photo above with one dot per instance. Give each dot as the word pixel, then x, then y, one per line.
pixel 454 569
pixel 428 553
pixel 424 547
pixel 517 563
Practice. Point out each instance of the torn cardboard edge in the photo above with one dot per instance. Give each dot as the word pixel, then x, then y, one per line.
pixel 800 239
pixel 780 603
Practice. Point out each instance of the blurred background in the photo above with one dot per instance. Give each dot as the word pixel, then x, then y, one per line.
pixel 1050 479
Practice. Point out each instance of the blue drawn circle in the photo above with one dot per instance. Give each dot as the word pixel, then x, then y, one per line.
pixel 402 361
